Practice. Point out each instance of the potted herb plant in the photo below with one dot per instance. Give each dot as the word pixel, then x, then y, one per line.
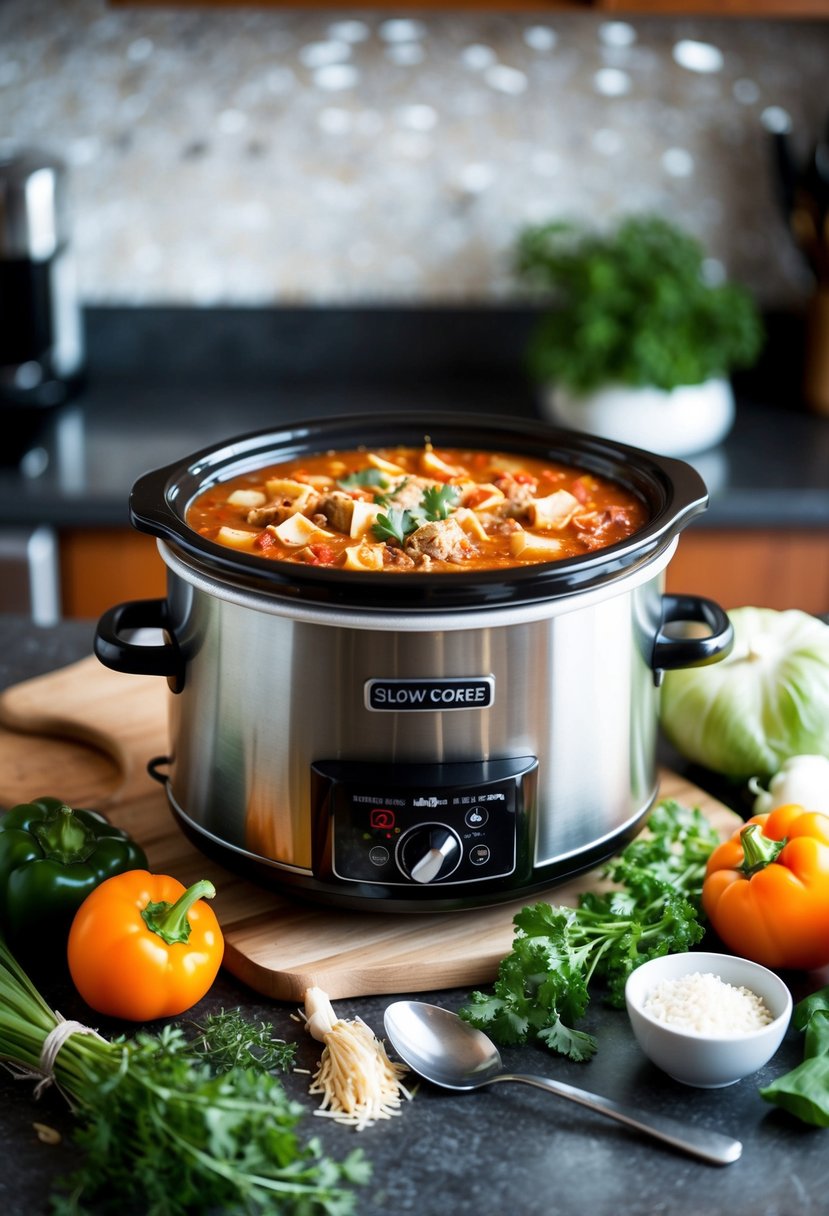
pixel 637 343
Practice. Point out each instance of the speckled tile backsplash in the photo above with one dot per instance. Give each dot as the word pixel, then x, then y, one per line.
pixel 289 156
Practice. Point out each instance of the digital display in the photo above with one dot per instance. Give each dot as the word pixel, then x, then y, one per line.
pixel 381 817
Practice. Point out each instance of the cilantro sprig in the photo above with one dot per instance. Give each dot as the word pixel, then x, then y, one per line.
pixel 396 524
pixel 364 479
pixel 543 985
pixel 438 501
pixel 435 503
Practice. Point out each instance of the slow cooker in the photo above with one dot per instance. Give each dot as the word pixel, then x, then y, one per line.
pixel 413 741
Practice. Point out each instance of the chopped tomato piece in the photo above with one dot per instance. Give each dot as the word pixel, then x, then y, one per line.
pixel 264 541
pixel 582 488
pixel 475 497
pixel 321 555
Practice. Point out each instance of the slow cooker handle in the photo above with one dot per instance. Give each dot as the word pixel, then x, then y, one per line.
pixel 672 652
pixel 118 652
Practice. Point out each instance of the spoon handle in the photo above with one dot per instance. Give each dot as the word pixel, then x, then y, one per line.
pixel 712 1147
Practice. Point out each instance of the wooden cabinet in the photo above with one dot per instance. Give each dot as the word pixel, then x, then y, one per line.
pixel 768 569
pixel 698 8
pixel 772 569
pixel 717 8
pixel 100 567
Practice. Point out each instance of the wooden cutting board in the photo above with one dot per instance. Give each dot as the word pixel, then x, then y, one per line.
pixel 85 734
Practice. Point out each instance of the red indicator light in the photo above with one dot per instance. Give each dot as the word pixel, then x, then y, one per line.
pixel 380 817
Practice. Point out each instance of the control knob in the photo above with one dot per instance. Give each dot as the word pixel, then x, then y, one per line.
pixel 429 852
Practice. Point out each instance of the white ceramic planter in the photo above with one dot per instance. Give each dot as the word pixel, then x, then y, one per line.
pixel 678 423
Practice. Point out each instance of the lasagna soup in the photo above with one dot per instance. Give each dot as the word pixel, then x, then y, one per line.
pixel 408 509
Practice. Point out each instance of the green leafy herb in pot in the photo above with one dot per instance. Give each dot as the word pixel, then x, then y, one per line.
pixel 543 984
pixel 51 858
pixel 766 701
pixel 632 306
pixel 804 1092
pixel 170 1127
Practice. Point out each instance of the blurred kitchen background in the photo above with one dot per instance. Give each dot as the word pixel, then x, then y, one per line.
pixel 228 156
pixel 280 211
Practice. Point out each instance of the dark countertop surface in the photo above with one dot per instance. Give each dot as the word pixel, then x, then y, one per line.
pixel 162 383
pixel 506 1149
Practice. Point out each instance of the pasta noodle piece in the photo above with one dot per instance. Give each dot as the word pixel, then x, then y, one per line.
pixel 358 1082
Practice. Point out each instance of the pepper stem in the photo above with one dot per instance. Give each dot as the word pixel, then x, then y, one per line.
pixel 170 921
pixel 758 850
pixel 64 837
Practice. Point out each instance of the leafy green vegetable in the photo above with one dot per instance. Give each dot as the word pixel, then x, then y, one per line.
pixel 435 503
pixel 162 1132
pixel 438 501
pixel 364 478
pixel 396 524
pixel 632 306
pixel 543 985
pixel 387 499
pixel 189 1141
pixel 766 701
pixel 804 1091
pixel 229 1040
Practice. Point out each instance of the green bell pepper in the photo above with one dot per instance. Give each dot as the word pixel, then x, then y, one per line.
pixel 51 857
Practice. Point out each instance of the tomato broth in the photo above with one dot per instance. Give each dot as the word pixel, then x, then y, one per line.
pixel 416 509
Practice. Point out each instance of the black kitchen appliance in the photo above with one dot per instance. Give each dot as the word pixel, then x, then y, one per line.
pixel 41 338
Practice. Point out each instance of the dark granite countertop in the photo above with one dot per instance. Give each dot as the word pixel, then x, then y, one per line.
pixel 162 383
pixel 508 1149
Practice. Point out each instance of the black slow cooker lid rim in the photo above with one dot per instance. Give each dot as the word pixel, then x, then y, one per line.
pixel 426 593
pixel 506 434
pixel 673 491
pixel 644 472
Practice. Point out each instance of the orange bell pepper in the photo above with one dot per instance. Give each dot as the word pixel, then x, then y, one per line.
pixel 766 889
pixel 141 946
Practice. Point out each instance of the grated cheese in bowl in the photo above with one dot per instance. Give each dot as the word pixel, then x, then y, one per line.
pixel 704 1003
pixel 707 1019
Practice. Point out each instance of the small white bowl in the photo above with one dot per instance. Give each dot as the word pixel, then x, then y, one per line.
pixel 699 1059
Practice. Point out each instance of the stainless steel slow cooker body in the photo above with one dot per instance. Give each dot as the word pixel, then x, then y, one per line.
pixel 416 742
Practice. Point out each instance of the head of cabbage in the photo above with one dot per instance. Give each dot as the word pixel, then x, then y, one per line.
pixel 768 700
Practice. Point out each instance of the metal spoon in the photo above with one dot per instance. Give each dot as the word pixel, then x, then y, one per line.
pixel 447 1051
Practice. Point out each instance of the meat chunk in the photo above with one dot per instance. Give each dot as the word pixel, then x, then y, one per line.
pixel 595 527
pixel 443 539
pixel 407 493
pixel 396 559
pixel 337 508
pixel 277 512
pixel 518 494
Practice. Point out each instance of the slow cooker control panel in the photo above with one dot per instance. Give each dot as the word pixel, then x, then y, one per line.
pixel 417 825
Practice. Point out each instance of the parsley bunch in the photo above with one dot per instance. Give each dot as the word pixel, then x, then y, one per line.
pixel 543 985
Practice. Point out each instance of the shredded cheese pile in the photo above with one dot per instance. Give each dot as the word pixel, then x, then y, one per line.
pixel 358 1081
